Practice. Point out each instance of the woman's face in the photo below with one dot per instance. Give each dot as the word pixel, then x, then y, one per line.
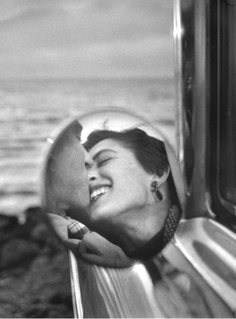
pixel 119 186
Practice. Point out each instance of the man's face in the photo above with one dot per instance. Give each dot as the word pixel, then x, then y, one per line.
pixel 68 175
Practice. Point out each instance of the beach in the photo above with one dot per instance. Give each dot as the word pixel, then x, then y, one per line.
pixel 34 270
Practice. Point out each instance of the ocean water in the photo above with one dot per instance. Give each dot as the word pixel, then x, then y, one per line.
pixel 30 110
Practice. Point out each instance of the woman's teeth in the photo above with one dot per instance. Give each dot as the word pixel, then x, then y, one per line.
pixel 98 192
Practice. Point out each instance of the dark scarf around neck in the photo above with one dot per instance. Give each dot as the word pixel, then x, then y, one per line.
pixel 158 241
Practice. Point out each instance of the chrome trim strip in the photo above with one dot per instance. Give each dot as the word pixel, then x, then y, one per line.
pixel 75 287
pixel 177 34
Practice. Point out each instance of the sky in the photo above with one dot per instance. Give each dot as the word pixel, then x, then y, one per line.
pixel 86 38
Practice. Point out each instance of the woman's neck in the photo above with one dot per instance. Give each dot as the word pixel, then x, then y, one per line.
pixel 133 233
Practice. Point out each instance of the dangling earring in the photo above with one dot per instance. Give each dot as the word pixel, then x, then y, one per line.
pixel 155 190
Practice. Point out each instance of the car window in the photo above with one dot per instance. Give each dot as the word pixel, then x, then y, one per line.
pixel 227 109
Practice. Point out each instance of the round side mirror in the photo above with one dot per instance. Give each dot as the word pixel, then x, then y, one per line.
pixel 66 188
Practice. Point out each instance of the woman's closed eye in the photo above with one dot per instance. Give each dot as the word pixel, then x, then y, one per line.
pixel 103 157
pixel 104 161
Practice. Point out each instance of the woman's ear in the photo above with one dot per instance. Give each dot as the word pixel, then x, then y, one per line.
pixel 161 179
pixel 157 182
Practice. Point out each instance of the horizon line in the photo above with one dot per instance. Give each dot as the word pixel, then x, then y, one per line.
pixel 90 77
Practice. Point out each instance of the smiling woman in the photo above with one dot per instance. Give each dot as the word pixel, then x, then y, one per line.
pixel 121 187
pixel 131 190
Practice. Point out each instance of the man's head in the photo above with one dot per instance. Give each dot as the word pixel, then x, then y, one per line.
pixel 67 178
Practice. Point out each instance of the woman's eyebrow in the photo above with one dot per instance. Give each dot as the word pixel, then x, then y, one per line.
pixel 102 151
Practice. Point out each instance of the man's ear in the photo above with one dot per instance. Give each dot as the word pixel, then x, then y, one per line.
pixel 161 179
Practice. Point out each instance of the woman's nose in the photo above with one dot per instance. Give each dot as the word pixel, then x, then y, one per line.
pixel 92 174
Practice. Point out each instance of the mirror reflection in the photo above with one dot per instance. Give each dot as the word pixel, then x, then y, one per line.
pixel 109 188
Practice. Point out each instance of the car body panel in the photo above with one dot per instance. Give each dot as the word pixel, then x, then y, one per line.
pixel 183 281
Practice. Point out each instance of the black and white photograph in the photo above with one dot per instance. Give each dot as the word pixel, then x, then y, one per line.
pixel 117 158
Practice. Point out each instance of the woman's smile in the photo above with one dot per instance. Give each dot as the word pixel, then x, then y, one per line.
pixel 98 192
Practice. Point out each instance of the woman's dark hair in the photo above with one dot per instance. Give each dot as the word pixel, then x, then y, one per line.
pixel 149 151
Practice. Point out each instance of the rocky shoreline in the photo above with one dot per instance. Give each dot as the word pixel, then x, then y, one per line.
pixel 34 270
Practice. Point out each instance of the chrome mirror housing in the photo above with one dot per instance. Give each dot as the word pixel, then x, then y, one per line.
pixel 64 183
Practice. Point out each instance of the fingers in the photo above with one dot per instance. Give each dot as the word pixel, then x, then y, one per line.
pixel 96 249
pixel 95 243
pixel 90 246
pixel 76 229
pixel 118 261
